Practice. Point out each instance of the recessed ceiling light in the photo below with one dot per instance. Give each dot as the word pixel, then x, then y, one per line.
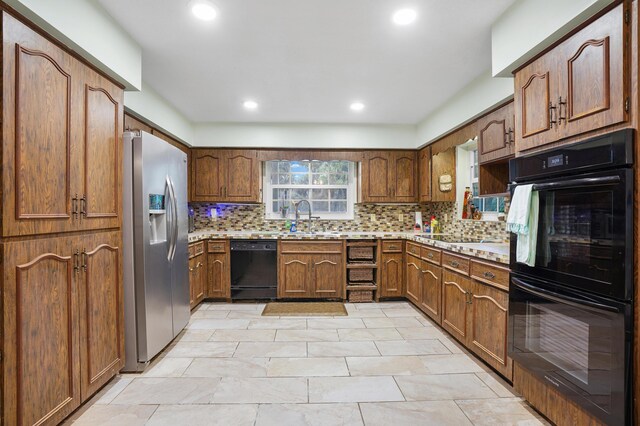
pixel 203 10
pixel 404 17
pixel 357 106
pixel 250 105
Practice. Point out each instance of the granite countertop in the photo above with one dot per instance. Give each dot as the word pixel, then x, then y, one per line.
pixel 496 252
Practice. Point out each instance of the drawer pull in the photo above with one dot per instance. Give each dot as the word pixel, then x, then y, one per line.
pixel 489 275
pixel 430 255
pixel 216 247
pixel 454 263
pixel 393 247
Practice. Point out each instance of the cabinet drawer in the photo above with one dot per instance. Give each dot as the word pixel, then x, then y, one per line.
pixel 311 247
pixel 216 246
pixel 196 249
pixel 430 255
pixel 490 274
pixel 392 246
pixel 455 263
pixel 413 249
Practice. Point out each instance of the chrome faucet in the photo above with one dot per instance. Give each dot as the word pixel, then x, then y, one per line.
pixel 298 214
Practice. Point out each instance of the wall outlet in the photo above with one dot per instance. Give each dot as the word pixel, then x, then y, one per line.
pixel 401 217
pixel 372 218
pixel 446 217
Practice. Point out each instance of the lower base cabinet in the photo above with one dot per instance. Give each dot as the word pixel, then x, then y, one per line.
pixel 63 324
pixel 197 273
pixel 391 274
pixel 413 273
pixel 313 269
pixel 431 291
pixel 217 283
pixel 456 289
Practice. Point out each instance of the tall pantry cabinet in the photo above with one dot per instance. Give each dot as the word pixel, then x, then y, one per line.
pixel 62 316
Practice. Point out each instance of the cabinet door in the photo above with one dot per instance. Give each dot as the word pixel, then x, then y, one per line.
pixel 443 164
pixel 40 133
pixel 413 279
pixel 294 278
pixel 404 177
pixel 376 177
pixel 327 275
pixel 40 357
pixel 200 278
pixel 455 293
pixel 431 281
pixel 494 135
pixel 207 175
pixel 218 279
pixel 192 282
pixel 101 200
pixel 536 86
pixel 593 75
pixel 101 311
pixel 424 173
pixel 391 275
pixel 488 326
pixel 242 176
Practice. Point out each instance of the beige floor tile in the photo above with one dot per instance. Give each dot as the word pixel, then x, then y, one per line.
pixel 121 415
pixel 278 324
pixel 307 336
pixel 499 386
pixel 426 321
pixel 236 307
pixel 204 314
pixel 194 336
pixel 261 390
pixel 309 415
pixel 401 312
pixel 411 347
pixel 366 313
pixel 383 305
pixel 271 349
pixel 335 323
pixel 392 322
pixel 218 324
pixel 112 389
pixel 413 413
pixel 227 367
pixel 363 334
pixel 168 367
pixel 171 390
pixel 307 367
pixel 243 336
pixel 244 314
pixel 451 363
pixel 451 344
pixel 386 366
pixel 443 386
pixel 202 349
pixel 353 389
pixel 502 411
pixel 323 349
pixel 204 415
pixel 420 333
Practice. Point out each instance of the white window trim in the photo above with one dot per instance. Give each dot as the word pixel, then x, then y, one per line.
pixel 351 186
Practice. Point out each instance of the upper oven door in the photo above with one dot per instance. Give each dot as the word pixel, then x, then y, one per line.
pixel 585 233
pixel 577 343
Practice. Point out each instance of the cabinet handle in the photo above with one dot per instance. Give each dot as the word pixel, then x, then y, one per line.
pixel 83 206
pixel 191 269
pixel 489 275
pixel 84 260
pixel 560 117
pixel 512 135
pixel 198 265
pixel 76 261
pixel 454 263
pixel 509 136
pixel 552 110
pixel 430 255
pixel 393 248
pixel 74 206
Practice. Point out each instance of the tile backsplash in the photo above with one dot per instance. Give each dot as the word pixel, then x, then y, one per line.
pixel 235 217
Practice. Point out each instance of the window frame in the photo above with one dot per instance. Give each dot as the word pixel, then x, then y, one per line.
pixel 474 169
pixel 351 188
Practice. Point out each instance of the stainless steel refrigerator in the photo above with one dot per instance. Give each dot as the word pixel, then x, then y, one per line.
pixel 156 277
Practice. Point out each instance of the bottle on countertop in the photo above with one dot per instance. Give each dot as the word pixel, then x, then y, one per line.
pixel 427 227
pixel 293 226
pixel 417 229
pixel 435 225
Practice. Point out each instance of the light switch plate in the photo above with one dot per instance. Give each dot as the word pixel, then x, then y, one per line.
pixel 446 217
pixel 401 217
pixel 372 217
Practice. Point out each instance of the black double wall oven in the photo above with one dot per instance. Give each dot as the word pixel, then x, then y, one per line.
pixel 571 314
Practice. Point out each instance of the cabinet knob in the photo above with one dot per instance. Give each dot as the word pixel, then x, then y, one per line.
pixel 454 263
pixel 430 255
pixel 489 275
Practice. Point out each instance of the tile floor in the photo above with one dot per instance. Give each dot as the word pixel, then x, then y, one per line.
pixel 384 364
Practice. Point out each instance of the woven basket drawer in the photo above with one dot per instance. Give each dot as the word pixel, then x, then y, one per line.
pixel 359 275
pixel 361 253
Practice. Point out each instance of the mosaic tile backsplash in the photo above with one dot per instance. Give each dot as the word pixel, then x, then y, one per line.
pixel 231 217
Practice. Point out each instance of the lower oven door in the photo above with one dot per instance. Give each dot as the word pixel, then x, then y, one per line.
pixel 578 343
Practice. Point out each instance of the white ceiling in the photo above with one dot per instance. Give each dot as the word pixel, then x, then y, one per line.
pixel 307 60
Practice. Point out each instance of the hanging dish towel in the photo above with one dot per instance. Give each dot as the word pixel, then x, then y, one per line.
pixel 523 221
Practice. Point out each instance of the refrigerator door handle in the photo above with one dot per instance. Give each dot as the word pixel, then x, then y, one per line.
pixel 174 219
pixel 169 210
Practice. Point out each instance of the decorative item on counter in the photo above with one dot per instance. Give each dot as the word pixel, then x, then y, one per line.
pixel 293 226
pixel 466 203
pixel 418 222
pixel 284 210
pixel 477 214
pixel 435 226
pixel 417 229
pixel 427 227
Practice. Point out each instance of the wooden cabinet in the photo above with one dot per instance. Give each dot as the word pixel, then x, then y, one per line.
pixel 218 281
pixel 456 290
pixel 413 274
pixel 496 135
pixel 431 290
pixel 63 324
pixel 443 165
pixel 424 174
pixel 62 139
pixel 389 177
pixel 219 175
pixel 579 86
pixel 391 269
pixel 312 269
pixel 197 273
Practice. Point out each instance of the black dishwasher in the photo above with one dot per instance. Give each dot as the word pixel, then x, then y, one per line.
pixel 254 269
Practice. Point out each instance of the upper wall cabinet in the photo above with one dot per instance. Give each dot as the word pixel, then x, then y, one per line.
pixel 496 135
pixel 219 175
pixel 578 86
pixel 62 139
pixel 443 171
pixel 424 174
pixel 389 177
